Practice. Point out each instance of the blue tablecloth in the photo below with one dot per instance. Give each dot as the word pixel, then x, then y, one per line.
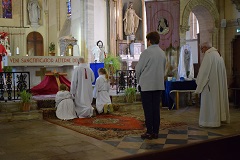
pixel 95 67
pixel 177 85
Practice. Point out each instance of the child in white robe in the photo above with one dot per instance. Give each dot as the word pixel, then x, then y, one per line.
pixel 101 92
pixel 64 104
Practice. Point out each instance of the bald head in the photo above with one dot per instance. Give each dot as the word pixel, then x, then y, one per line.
pixel 81 60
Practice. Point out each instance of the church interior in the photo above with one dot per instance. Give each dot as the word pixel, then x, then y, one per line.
pixel 44 38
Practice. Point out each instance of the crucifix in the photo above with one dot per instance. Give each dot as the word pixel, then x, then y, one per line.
pixel 41 72
pixel 56 74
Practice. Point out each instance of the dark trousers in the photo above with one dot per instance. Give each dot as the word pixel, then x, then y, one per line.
pixel 151 107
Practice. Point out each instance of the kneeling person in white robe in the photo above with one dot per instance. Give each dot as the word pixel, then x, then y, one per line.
pixel 64 104
pixel 101 92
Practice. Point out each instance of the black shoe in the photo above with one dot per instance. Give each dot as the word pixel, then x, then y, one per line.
pixel 155 136
pixel 146 136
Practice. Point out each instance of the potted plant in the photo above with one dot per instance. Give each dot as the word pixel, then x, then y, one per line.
pixel 7 68
pixel 25 100
pixel 52 49
pixel 112 63
pixel 130 95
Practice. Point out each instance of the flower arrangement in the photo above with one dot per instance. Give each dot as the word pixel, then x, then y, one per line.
pixel 52 47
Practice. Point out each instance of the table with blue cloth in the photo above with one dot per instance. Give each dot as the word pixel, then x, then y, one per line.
pixel 95 67
pixel 176 86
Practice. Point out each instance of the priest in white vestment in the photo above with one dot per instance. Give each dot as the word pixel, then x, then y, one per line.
pixel 82 90
pixel 212 84
pixel 64 104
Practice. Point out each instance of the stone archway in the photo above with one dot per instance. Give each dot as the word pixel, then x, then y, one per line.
pixel 208 18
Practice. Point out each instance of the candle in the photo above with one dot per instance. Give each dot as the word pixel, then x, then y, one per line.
pixel 17 51
pixel 69 51
pixel 127 39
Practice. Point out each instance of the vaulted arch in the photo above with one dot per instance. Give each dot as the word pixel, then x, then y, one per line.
pixel 196 3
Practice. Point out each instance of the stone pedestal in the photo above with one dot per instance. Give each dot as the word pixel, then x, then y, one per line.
pixel 135 49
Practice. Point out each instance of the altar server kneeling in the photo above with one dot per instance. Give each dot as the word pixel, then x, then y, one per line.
pixel 64 104
pixel 101 92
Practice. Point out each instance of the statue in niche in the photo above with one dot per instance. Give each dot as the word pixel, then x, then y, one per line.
pixel 131 20
pixel 185 65
pixel 34 11
pixel 163 27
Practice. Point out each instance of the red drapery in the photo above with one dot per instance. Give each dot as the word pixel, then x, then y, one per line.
pixel 3 52
pixel 169 10
pixel 49 85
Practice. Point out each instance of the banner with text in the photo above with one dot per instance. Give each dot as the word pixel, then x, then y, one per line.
pixel 40 60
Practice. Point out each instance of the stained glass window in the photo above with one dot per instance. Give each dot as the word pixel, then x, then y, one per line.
pixel 7 8
pixel 69 8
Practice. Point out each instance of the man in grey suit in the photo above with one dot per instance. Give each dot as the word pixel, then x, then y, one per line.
pixel 150 76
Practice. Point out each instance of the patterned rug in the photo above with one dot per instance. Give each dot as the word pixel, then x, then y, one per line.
pixel 110 126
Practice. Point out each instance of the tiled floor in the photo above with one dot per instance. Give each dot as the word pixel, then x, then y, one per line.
pixel 41 140
pixel 167 138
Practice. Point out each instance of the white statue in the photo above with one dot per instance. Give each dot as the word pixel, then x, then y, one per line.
pixel 102 51
pixel 96 52
pixel 34 11
pixel 131 20
pixel 185 65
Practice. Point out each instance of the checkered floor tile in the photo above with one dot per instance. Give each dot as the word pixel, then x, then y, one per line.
pixel 167 138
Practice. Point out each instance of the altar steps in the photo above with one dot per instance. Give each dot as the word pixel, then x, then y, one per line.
pixel 11 111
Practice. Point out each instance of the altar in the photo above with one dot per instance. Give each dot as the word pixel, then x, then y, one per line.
pixel 39 65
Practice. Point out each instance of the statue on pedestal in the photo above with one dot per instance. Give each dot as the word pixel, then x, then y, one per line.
pixel 34 12
pixel 131 20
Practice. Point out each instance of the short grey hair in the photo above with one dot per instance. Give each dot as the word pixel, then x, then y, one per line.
pixel 206 44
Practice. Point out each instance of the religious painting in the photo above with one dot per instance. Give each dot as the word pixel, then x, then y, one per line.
pixel 7 8
pixel 164 17
pixel 163 26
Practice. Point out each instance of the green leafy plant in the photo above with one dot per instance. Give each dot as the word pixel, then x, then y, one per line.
pixel 52 47
pixel 112 63
pixel 130 94
pixel 25 96
pixel 7 68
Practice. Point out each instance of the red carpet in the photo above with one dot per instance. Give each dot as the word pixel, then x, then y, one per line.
pixel 110 122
